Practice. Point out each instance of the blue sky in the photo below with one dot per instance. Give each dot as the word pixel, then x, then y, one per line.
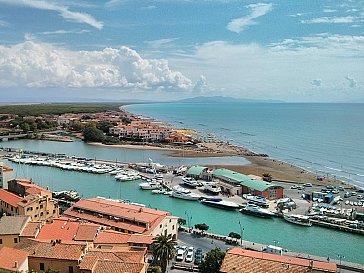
pixel 162 50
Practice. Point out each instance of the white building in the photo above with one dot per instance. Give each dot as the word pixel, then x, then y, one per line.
pixel 6 174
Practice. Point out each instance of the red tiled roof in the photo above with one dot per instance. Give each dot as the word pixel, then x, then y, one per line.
pixel 59 229
pixel 104 221
pixel 51 250
pixel 129 259
pixel 10 198
pixel 112 237
pixel 86 232
pixel 239 260
pixel 31 229
pixel 117 267
pixel 145 215
pixel 34 188
pixel 8 257
pixel 141 239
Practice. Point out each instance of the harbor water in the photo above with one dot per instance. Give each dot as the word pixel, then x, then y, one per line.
pixel 313 240
pixel 327 139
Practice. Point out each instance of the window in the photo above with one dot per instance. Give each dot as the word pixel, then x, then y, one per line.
pixel 173 227
pixel 160 226
pixel 1 241
pixel 70 269
pixel 41 206
pixel 41 266
pixel 15 240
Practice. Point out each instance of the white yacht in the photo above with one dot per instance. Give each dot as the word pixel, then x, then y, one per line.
pixel 182 193
pixel 189 181
pixel 298 219
pixel 219 203
pixel 149 185
pixel 126 177
pixel 256 210
pixel 212 188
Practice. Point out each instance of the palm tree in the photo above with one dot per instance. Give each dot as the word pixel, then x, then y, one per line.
pixel 163 250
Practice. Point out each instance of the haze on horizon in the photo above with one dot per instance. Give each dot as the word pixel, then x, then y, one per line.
pixel 297 51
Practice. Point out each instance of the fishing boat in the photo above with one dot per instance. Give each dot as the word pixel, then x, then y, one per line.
pixel 256 211
pixel 219 203
pixel 181 193
pixel 149 185
pixel 190 182
pixel 298 219
pixel 212 188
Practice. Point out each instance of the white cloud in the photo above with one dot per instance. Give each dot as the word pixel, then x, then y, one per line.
pixel 256 10
pixel 316 82
pixel 160 42
pixel 3 23
pixel 34 64
pixel 62 31
pixel 331 20
pixel 352 82
pixel 201 85
pixel 283 70
pixel 63 11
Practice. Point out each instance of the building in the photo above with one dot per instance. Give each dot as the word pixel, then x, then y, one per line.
pixel 63 257
pixel 10 229
pixel 124 217
pixel 100 261
pixel 238 184
pixel 6 174
pixel 13 260
pixel 239 260
pixel 199 172
pixel 37 201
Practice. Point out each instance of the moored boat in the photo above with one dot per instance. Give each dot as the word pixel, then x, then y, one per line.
pixel 190 182
pixel 219 203
pixel 298 219
pixel 149 185
pixel 212 188
pixel 181 193
pixel 256 211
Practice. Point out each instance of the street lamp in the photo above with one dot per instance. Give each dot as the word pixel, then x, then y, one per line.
pixel 241 234
pixel 189 220
pixel 340 256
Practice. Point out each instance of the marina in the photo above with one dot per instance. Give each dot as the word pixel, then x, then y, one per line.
pixel 221 221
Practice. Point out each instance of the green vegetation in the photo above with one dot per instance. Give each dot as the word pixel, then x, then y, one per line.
pixel 163 250
pixel 212 261
pixel 267 177
pixel 92 134
pixel 154 269
pixel 32 125
pixel 181 221
pixel 203 227
pixel 58 108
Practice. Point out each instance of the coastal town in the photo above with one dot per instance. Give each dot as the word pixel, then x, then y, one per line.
pixel 42 230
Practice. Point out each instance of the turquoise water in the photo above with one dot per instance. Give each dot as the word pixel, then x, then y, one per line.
pixel 323 138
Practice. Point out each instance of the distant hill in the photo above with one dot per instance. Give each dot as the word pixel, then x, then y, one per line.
pixel 221 99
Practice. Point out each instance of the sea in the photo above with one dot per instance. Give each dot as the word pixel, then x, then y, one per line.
pixel 315 136
pixel 326 139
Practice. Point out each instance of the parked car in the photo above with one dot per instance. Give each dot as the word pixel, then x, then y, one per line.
pixel 299 188
pixel 307 185
pixel 340 188
pixel 360 196
pixel 347 194
pixel 189 257
pixel 198 259
pixel 353 193
pixel 180 255
pixel 329 187
pixel 293 187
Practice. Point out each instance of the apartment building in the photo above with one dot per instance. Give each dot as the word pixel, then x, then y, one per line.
pixel 6 174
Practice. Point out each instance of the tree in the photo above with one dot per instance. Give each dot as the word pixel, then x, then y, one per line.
pixel 267 177
pixel 91 133
pixel 212 261
pixel 181 221
pixel 203 227
pixel 234 235
pixel 163 250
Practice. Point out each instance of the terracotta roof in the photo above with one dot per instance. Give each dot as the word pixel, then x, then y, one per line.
pixel 141 239
pixel 31 229
pixel 117 267
pixel 7 169
pixel 32 188
pixel 86 232
pixel 13 224
pixel 104 221
pixel 112 237
pixel 10 198
pixel 8 257
pixel 61 251
pixel 122 210
pixel 240 260
pixel 122 261
pixel 28 200
pixel 59 229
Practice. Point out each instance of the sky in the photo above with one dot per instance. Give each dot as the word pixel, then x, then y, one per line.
pixel 295 51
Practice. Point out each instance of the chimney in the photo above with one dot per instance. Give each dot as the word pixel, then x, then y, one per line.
pixel 16 264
